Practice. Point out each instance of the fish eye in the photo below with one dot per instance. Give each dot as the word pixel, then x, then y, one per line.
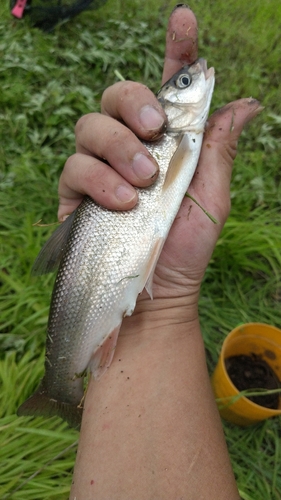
pixel 183 81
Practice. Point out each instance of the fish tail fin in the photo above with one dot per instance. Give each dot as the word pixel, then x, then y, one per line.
pixel 102 357
pixel 40 404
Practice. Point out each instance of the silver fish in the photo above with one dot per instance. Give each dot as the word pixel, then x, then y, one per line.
pixel 110 256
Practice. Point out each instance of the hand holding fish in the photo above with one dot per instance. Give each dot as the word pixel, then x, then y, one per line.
pixel 131 110
pixel 152 418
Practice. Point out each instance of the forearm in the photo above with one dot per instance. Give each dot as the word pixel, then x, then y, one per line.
pixel 150 428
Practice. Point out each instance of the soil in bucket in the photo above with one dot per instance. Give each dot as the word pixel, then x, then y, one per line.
pixel 252 372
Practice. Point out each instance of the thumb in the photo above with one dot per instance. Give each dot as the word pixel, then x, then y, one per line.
pixel 211 183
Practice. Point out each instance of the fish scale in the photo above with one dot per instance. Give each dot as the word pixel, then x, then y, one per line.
pixel 110 256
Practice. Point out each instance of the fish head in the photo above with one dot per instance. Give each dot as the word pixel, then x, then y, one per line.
pixel 186 97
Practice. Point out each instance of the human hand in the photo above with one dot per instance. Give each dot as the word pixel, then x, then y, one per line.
pixel 193 236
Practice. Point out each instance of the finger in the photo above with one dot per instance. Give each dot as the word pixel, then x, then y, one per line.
pixel 211 182
pixel 106 138
pixel 135 105
pixel 181 41
pixel 83 174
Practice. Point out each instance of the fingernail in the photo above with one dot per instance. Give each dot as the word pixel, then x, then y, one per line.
pixel 150 118
pixel 143 167
pixel 256 109
pixel 125 193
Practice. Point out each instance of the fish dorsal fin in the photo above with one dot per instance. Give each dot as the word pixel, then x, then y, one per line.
pixel 50 255
pixel 179 158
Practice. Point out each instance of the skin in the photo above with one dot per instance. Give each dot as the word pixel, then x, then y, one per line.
pixel 151 429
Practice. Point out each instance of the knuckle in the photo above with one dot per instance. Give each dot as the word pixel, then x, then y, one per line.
pixel 229 151
pixel 96 176
pixel 121 139
pixel 84 121
pixel 70 164
pixel 136 93
pixel 80 124
pixel 126 93
pixel 129 88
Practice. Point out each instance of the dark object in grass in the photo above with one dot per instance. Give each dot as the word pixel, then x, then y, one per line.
pixel 46 14
pixel 252 372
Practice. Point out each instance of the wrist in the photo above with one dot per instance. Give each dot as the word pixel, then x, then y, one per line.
pixel 161 313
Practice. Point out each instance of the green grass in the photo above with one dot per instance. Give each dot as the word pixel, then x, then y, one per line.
pixel 47 82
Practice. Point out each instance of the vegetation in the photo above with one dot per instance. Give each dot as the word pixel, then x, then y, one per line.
pixel 47 82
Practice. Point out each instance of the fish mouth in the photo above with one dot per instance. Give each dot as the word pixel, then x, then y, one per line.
pixel 207 72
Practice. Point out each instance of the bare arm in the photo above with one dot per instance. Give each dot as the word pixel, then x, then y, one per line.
pixel 151 429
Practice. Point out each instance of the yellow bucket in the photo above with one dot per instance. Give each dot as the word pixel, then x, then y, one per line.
pixel 257 338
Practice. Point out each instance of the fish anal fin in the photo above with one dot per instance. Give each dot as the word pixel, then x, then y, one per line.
pixel 50 255
pixel 177 162
pixel 41 405
pixel 102 357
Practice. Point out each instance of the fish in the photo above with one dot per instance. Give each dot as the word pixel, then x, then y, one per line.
pixel 106 258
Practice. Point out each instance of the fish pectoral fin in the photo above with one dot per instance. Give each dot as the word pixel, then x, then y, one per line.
pixel 50 255
pixel 41 405
pixel 102 357
pixel 151 265
pixel 178 160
